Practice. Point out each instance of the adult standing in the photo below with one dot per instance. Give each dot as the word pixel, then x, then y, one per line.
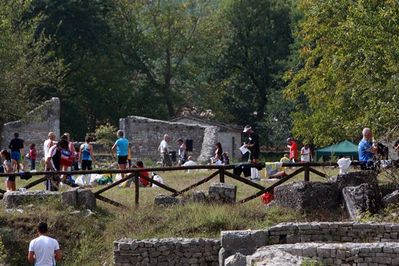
pixel 293 149
pixel 86 155
pixel 164 151
pixel 182 152
pixel 48 143
pixel 252 144
pixel 121 147
pixel 306 154
pixel 54 161
pixel 44 250
pixel 366 149
pixel 16 146
pixel 8 168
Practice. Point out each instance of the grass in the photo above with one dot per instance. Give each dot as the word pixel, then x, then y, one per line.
pixel 89 240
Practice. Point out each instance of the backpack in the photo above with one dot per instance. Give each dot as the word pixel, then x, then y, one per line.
pixel 66 157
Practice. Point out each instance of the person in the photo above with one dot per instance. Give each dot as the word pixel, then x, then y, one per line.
pixel 129 155
pixel 54 162
pixel 71 147
pixel 306 154
pixel 182 152
pixel 32 156
pixel 366 149
pixel 252 144
pixel 142 174
pixel 284 159
pixel 44 250
pixel 225 158
pixel 121 148
pixel 16 146
pixel 218 153
pixel 86 156
pixel 9 166
pixel 48 143
pixel 293 149
pixel 189 162
pixel 164 151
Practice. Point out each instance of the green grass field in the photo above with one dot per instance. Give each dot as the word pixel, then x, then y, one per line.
pixel 89 240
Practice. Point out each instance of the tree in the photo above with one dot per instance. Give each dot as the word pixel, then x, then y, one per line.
pixel 164 44
pixel 254 59
pixel 349 76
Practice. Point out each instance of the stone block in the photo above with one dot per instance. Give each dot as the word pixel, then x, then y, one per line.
pixel 198 196
pixel 69 198
pixel 86 199
pixel 13 199
pixel 360 199
pixel 308 196
pixel 355 179
pixel 222 193
pixel 245 241
pixel 392 198
pixel 163 200
pixel 236 260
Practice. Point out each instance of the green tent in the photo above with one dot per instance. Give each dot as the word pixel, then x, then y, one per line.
pixel 342 149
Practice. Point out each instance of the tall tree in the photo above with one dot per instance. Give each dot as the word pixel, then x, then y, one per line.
pixel 253 62
pixel 349 78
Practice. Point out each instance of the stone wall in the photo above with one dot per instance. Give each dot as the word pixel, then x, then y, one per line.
pixel 145 134
pixel 171 251
pixel 247 242
pixel 34 126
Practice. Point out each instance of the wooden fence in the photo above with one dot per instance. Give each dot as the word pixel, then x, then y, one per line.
pixel 220 172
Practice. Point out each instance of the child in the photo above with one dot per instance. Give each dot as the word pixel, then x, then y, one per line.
pixel 32 156
pixel 9 168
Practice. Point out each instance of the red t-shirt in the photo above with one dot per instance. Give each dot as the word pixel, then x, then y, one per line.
pixel 142 180
pixel 32 154
pixel 294 151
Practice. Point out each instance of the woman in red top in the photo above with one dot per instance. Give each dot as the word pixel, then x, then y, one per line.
pixel 293 149
pixel 142 174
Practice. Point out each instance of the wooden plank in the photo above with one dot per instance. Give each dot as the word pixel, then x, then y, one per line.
pixel 110 201
pixel 36 182
pixel 270 189
pixel 160 184
pixel 317 172
pixel 196 184
pixel 245 181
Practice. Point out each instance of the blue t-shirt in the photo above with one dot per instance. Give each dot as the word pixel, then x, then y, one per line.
pixel 122 146
pixel 364 151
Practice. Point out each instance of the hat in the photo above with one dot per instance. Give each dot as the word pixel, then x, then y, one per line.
pixel 247 128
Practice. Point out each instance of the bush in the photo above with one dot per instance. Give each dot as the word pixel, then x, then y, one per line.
pixel 106 134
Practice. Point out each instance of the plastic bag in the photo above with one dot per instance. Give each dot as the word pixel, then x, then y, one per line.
pixel 157 178
pixel 267 197
pixel 80 180
pixel 344 164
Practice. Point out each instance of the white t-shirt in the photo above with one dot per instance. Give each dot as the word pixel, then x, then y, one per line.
pixel 163 147
pixel 46 146
pixel 305 154
pixel 189 163
pixel 44 248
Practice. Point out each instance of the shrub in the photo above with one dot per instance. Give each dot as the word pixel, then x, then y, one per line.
pixel 106 134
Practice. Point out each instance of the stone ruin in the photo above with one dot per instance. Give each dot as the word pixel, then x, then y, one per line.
pixel 220 193
pixel 359 192
pixel 76 198
pixel 34 126
pixel 146 135
pixel 336 243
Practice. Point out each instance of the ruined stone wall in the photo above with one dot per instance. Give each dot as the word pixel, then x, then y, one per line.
pixel 171 251
pixel 145 134
pixel 34 126
pixel 247 242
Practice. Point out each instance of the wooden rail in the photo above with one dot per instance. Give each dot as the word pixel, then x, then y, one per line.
pixel 221 170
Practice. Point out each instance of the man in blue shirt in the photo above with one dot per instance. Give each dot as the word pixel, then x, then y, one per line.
pixel 121 147
pixel 366 148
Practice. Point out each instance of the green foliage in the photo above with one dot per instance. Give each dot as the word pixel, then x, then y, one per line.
pixel 349 75
pixel 106 134
pixel 3 252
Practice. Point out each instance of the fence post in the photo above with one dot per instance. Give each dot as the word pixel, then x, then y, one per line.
pixel 137 189
pixel 221 175
pixel 306 172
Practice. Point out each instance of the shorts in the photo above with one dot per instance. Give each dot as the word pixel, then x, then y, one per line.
pixel 122 159
pixel 87 165
pixel 10 178
pixel 16 155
